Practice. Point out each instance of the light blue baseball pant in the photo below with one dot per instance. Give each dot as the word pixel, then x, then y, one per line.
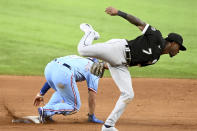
pixel 61 79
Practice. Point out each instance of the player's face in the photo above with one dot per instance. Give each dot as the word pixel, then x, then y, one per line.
pixel 174 50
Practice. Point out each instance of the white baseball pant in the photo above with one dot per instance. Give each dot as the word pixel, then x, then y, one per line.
pixel 113 52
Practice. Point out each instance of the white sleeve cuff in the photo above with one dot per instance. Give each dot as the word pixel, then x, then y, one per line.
pixel 145 29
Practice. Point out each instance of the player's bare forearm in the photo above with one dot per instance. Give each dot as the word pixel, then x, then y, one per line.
pixel 132 19
pixel 91 101
pixel 136 21
pixel 92 106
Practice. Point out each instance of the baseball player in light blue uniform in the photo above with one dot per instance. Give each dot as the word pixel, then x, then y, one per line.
pixel 61 75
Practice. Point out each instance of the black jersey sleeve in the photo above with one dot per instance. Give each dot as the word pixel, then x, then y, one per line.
pixel 145 28
pixel 149 30
pixel 154 35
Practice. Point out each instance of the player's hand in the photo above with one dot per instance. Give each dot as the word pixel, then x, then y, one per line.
pixel 111 11
pixel 38 100
pixel 92 118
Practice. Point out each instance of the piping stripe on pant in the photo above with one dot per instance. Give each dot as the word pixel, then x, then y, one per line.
pixel 75 98
pixel 58 110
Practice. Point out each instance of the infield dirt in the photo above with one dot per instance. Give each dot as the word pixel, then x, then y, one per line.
pixel 159 105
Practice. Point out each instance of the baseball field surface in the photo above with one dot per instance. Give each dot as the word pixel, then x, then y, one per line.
pixel 159 105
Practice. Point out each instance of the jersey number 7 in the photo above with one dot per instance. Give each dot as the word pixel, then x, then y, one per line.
pixel 149 51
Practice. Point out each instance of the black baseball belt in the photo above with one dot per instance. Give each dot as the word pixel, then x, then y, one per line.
pixel 128 54
pixel 64 64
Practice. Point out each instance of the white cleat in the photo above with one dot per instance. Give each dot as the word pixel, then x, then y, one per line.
pixel 108 129
pixel 96 35
pixel 88 28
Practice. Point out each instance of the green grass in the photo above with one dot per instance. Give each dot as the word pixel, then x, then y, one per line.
pixel 34 32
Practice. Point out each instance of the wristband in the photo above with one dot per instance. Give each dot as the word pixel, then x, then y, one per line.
pixel 45 88
pixel 122 14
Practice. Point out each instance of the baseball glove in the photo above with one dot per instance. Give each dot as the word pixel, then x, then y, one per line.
pixel 98 69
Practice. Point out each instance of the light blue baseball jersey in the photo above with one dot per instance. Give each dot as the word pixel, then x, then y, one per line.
pixel 61 75
pixel 81 69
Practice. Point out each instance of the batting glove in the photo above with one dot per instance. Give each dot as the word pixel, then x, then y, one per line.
pixel 92 118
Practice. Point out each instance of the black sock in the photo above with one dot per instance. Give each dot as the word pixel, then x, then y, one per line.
pixel 107 126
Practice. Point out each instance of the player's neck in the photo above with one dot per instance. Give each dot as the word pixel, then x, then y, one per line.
pixel 166 48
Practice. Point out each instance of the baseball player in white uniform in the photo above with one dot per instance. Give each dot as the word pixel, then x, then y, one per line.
pixel 119 54
pixel 117 66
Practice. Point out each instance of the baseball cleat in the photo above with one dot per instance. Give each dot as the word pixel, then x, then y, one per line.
pixel 96 35
pixel 108 129
pixel 41 115
pixel 88 28
pixel 49 119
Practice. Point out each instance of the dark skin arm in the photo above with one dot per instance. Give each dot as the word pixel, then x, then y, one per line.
pixel 132 19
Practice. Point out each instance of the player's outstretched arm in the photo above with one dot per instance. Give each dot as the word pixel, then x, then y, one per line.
pixel 132 19
pixel 92 105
